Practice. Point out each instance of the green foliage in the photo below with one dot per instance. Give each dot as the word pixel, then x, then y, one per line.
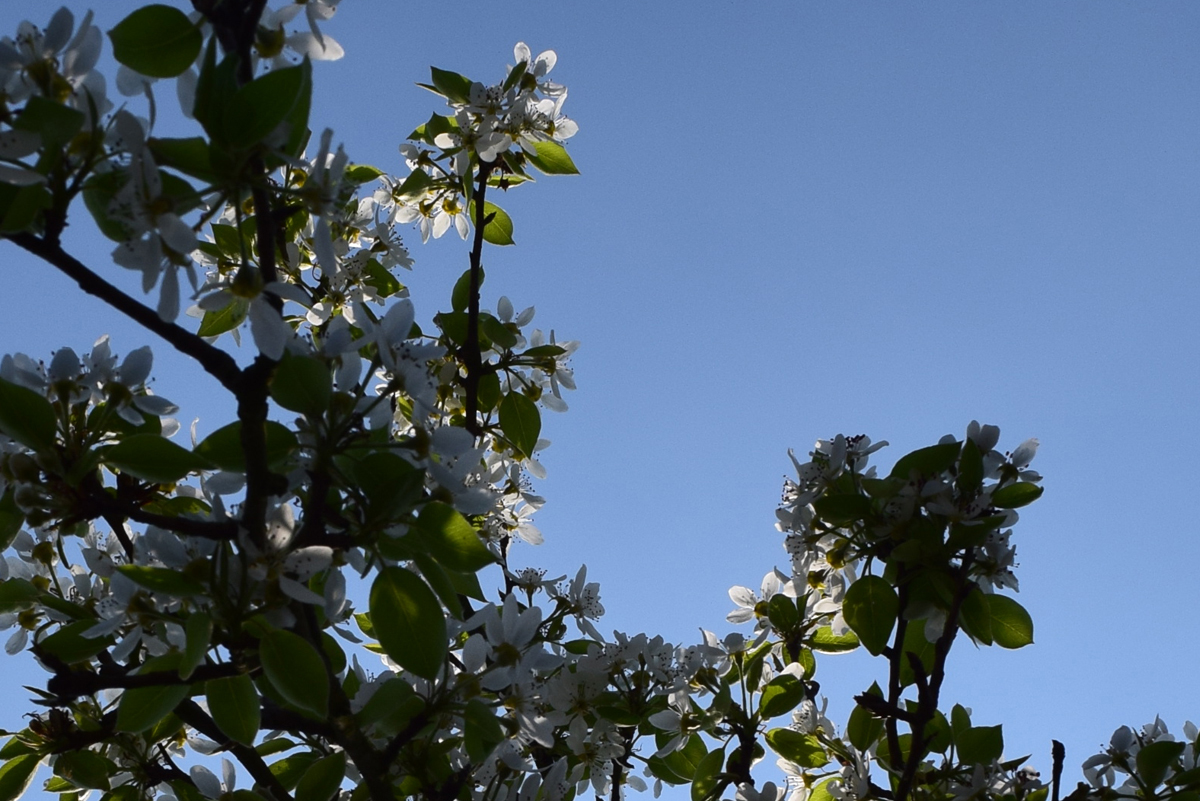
pixel 521 422
pixel 552 159
pixel 141 708
pixel 26 416
pixel 296 671
pixel 870 607
pixel 156 40
pixel 1012 627
pixel 408 621
pixel 151 457
pixel 234 706
pixel 451 540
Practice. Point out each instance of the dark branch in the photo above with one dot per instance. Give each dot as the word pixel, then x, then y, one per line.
pixel 191 714
pixel 112 510
pixel 68 684
pixel 471 355
pixel 216 362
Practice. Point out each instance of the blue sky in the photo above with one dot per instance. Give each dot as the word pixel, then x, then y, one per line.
pixel 800 219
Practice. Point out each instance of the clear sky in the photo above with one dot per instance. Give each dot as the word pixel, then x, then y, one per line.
pixel 800 218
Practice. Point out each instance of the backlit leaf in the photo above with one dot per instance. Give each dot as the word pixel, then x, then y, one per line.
pixel 296 670
pixel 870 608
pixel 408 621
pixel 156 40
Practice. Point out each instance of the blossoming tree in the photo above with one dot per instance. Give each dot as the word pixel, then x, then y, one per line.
pixel 194 606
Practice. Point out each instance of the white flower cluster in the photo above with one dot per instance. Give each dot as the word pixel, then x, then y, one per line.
pixel 1120 760
pixel 523 110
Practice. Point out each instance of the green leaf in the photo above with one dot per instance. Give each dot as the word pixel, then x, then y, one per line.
pixel 199 629
pixel 706 781
pixel 870 608
pixel 274 746
pixel 215 323
pixel 552 159
pixel 21 206
pixel 1014 496
pixel 927 462
pixel 16 594
pixel 1155 759
pixel 188 155
pixel 409 621
pixel 801 749
pixel 824 641
pixel 262 105
pixel 843 508
pixel 975 617
pixel 382 281
pixel 98 193
pixel 864 729
pixel 141 708
pixel 162 579
pixel 158 41
pixel 302 384
pixel 498 332
pixel 11 518
pixel 498 229
pixel 980 745
pixel 414 185
pixel 821 792
pixel 17 746
pixel 296 670
pixel 439 580
pixel 544 350
pixel 781 695
pixel 915 643
pixel 55 123
pixel 482 732
pixel 454 87
pixel 323 779
pixel 460 297
pixel 27 417
pixel 289 770
pixel 454 324
pixel 970 468
pixel 520 422
pixel 362 173
pixel 154 458
pixel 85 769
pixel 1012 627
pixel 390 485
pixel 223 447
pixel 15 776
pixel 489 391
pixel 451 539
pixel 782 612
pixel 69 644
pixel 390 709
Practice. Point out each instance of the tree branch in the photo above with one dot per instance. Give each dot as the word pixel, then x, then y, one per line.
pixel 108 508
pixel 216 362
pixel 191 714
pixel 471 354
pixel 68 685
